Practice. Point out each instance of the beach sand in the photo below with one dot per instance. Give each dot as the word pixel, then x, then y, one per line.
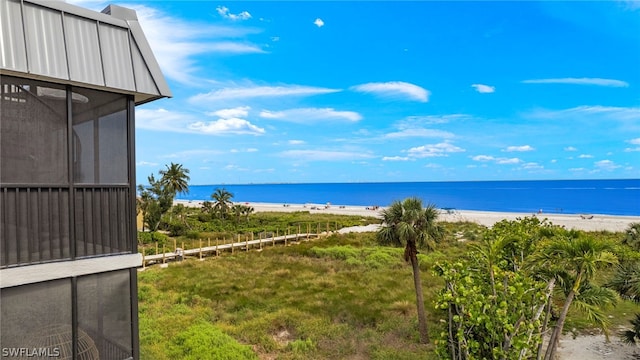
pixel 592 222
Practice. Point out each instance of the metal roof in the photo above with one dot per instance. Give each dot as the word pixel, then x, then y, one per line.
pixel 63 43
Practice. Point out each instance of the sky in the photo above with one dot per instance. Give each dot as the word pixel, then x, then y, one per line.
pixel 312 92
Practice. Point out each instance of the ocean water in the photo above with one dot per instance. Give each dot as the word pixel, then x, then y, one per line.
pixel 610 197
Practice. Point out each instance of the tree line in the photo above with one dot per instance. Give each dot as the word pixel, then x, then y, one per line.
pixel 155 201
pixel 512 293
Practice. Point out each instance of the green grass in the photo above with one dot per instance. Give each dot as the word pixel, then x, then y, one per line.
pixel 342 297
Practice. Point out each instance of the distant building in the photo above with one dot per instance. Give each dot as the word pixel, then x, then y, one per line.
pixel 69 81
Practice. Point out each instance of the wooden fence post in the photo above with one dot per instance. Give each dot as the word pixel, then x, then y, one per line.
pixel 163 254
pixel 246 241
pixel 200 249
pixel 156 248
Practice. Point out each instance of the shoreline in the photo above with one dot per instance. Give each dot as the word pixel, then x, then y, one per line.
pixel 592 222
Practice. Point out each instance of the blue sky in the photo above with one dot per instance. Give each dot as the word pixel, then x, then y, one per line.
pixel 392 91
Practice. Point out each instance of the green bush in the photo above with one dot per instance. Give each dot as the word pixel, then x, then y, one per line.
pixel 152 237
pixel 302 346
pixel 204 341
pixel 193 234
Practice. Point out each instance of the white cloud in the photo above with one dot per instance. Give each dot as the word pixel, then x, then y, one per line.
pixel 230 93
pixel 434 150
pixel 176 49
pixel 324 155
pixel 635 141
pixel 580 81
pixel 421 120
pixel 483 158
pixel 519 148
pixel 146 163
pixel 577 169
pixel 226 126
pixel 396 158
pixel 585 156
pixel 570 148
pixel 499 160
pixel 318 22
pixel 171 121
pixel 394 89
pixel 224 12
pixel 508 161
pixel 428 133
pixel 532 166
pixel 237 112
pixel 432 166
pixel 607 165
pixel 309 115
pixel 484 89
pixel 609 112
pixel 632 149
pixel 296 142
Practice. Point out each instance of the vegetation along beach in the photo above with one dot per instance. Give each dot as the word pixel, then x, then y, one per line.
pixel 407 280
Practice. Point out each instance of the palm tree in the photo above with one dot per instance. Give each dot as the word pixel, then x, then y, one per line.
pixel 580 258
pixel 175 178
pixel 626 280
pixel 632 336
pixel 408 223
pixel 632 236
pixel 222 202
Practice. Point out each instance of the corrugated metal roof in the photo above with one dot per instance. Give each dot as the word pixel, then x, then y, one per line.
pixel 65 43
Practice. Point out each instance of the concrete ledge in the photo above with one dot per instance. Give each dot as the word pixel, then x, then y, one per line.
pixel 65 269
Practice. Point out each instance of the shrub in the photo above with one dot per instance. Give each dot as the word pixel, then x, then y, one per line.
pixel 302 346
pixel 193 235
pixel 204 341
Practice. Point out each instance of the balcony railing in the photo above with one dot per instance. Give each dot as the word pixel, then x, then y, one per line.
pixel 38 224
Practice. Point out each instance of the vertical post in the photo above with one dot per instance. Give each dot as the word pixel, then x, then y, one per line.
pixel 318 231
pixel 327 228
pixel 200 248
pixel 156 248
pixel 217 247
pixel 174 245
pixel 285 237
pixel 336 226
pixel 260 240
pixel 246 241
pixel 183 249
pixel 163 254
pixel 209 242
pixel 143 262
pixel 308 230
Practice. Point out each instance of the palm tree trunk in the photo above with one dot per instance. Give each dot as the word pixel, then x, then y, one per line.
pixel 422 316
pixel 555 336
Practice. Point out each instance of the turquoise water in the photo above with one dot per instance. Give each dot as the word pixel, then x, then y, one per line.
pixel 611 197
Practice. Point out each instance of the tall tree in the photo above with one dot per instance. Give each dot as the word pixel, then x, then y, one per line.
pixel 411 225
pixel 222 202
pixel 175 178
pixel 580 257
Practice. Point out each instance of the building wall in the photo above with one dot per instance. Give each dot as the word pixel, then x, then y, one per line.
pixel 67 223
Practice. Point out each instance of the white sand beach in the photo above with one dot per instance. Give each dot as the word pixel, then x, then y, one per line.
pixel 590 222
